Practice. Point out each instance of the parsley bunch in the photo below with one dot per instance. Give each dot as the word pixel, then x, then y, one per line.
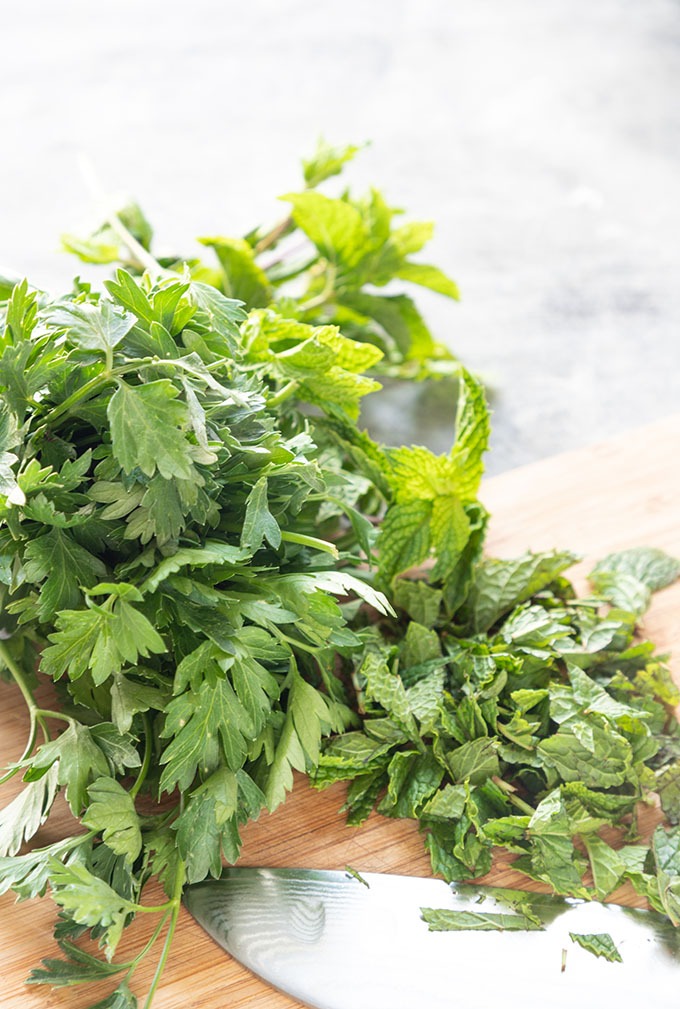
pixel 186 507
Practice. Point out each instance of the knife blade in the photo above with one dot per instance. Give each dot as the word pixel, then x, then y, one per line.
pixel 344 940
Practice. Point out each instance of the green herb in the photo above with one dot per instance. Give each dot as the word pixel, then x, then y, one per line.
pixel 320 264
pixel 197 546
pixel 444 920
pixel 599 944
pixel 520 717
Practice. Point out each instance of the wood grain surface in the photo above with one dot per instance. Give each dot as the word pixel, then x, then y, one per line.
pixel 621 493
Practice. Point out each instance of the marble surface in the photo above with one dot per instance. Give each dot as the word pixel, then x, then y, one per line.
pixel 542 135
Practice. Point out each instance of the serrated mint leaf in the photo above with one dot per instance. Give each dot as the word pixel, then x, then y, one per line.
pixel 668 790
pixel 604 762
pixel 444 920
pixel 553 857
pixel 428 276
pixel 654 568
pixel 622 590
pixel 499 585
pixel 404 540
pixel 606 865
pixel 421 601
pixel 335 227
pixel 385 687
pixel 412 779
pixel 473 429
pixel 326 162
pixel 450 532
pixel 399 320
pixel 597 943
pixel 475 761
pixel 245 280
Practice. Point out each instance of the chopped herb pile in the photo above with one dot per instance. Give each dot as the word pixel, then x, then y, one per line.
pixel 204 553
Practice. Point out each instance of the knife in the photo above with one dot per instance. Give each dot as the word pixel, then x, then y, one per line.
pixel 344 940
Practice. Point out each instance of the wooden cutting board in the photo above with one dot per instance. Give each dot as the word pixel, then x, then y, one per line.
pixel 621 493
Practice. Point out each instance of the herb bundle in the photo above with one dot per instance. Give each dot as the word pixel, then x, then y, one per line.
pixel 204 553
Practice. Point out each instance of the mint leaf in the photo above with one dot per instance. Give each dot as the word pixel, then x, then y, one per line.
pixel 405 538
pixel 652 567
pixel 444 920
pixel 326 162
pixel 501 585
pixel 668 789
pixel 599 944
pixel 335 227
pixel 428 276
pixel 243 278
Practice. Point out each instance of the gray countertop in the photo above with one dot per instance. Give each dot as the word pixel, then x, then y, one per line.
pixel 543 136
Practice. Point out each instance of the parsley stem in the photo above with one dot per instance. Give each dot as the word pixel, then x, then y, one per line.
pixel 175 904
pixel 310 541
pixel 19 678
pixel 283 393
pixel 35 713
pixel 141 255
pixel 131 964
pixel 47 713
pixel 146 763
pixel 294 643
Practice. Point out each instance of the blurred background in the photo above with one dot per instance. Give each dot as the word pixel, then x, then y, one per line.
pixel 543 137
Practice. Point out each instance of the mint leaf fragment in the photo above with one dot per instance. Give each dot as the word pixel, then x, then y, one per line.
pixel 654 568
pixel 599 944
pixel 326 162
pixel 444 920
